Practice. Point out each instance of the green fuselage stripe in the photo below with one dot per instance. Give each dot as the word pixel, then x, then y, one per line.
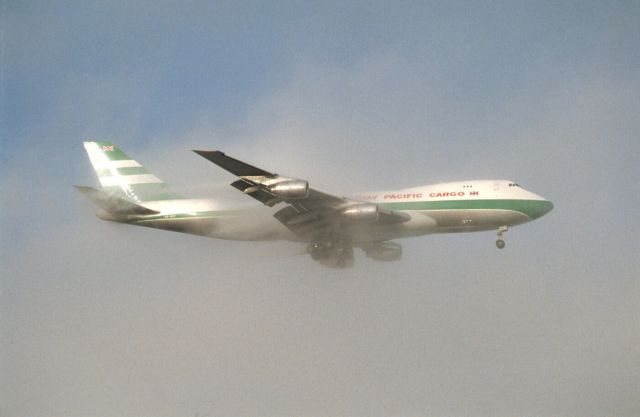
pixel 197 215
pixel 532 208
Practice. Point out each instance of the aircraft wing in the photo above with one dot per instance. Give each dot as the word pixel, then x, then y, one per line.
pixel 308 211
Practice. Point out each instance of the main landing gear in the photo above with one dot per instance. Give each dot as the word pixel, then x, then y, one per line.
pixel 333 253
pixel 500 242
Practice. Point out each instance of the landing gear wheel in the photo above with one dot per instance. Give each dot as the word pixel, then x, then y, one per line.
pixel 500 242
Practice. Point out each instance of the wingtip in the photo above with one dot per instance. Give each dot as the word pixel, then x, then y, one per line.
pixel 204 153
pixel 84 189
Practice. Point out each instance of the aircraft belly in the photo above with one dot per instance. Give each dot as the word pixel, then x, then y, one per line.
pixel 222 227
pixel 419 224
pixel 475 219
pixel 202 227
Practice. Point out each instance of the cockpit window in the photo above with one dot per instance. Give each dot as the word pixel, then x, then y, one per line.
pixel 514 185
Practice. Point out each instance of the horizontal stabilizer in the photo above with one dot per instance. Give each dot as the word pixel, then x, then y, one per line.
pixel 114 205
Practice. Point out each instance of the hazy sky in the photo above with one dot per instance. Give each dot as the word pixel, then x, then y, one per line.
pixel 101 319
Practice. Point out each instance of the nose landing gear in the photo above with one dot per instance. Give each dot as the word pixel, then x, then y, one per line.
pixel 500 242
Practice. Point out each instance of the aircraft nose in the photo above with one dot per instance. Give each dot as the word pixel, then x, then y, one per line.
pixel 544 207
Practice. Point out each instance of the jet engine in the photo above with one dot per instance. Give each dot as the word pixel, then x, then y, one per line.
pixel 384 251
pixel 361 213
pixel 291 189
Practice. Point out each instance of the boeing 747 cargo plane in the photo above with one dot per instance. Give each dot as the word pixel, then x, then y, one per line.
pixel 331 226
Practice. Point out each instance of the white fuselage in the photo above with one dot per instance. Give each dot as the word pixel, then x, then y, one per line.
pixel 463 206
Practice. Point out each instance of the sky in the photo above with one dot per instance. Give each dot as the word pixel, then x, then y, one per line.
pixel 103 319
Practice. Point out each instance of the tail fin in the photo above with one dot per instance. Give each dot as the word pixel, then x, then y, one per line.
pixel 121 176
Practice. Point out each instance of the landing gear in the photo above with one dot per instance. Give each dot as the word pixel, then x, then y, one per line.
pixel 500 242
pixel 317 251
pixel 335 254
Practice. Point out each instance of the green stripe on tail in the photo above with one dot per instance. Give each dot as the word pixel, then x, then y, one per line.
pixel 124 177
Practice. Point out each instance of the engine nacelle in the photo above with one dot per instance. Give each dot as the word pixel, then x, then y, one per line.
pixel 385 251
pixel 291 189
pixel 361 213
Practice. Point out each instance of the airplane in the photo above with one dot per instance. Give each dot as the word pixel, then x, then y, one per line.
pixel 330 226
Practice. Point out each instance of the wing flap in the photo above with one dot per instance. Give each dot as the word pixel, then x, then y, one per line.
pixel 256 191
pixel 304 223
